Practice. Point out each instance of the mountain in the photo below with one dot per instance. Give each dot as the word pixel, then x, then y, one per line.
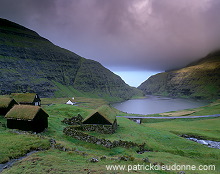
pixel 31 63
pixel 199 80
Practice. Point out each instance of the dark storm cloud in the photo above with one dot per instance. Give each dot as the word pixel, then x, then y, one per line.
pixel 128 34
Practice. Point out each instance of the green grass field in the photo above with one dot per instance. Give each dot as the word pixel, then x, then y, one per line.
pixel 160 136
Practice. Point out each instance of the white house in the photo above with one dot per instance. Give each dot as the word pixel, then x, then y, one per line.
pixel 70 102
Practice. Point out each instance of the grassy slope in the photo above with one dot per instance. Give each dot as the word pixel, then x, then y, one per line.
pixel 207 128
pixel 166 147
pixel 13 145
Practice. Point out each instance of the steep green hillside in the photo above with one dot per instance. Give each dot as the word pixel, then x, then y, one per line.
pixel 31 63
pixel 199 80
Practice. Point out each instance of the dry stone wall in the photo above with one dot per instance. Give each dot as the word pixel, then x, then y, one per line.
pixel 74 131
pixel 100 128
pixel 76 120
pixel 104 129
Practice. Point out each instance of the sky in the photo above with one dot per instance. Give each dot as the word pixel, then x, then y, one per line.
pixel 132 38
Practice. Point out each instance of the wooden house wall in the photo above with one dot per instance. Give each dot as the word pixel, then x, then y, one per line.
pixel 97 119
pixel 4 111
pixel 115 125
pixel 40 122
pixel 19 124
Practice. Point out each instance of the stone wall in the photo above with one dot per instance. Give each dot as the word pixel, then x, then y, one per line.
pixel 100 128
pixel 74 131
pixel 76 120
pixel 104 129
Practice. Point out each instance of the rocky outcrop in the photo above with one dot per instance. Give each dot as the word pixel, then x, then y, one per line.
pixel 31 63
pixel 199 80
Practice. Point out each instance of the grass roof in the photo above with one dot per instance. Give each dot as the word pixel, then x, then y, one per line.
pixel 106 111
pixel 5 101
pixel 24 97
pixel 24 112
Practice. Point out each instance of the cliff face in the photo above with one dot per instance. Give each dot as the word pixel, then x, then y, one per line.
pixel 31 63
pixel 200 80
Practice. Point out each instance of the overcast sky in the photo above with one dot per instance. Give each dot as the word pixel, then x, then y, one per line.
pixel 133 38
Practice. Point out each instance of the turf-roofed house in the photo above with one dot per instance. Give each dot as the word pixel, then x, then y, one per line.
pixel 27 98
pixel 101 120
pixel 27 118
pixel 6 103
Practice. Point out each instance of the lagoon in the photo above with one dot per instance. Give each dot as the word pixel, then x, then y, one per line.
pixel 157 104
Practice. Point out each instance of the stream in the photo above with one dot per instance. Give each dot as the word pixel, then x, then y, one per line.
pixel 209 143
pixel 12 161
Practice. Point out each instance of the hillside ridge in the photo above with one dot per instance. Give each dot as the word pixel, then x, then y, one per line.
pixel 31 63
pixel 198 80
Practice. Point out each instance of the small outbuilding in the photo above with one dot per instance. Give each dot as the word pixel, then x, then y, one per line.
pixel 102 118
pixel 71 102
pixel 27 98
pixel 27 118
pixel 6 103
pixel 137 120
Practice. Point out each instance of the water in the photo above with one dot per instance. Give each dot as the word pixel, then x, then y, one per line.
pixel 12 161
pixel 212 144
pixel 209 143
pixel 157 104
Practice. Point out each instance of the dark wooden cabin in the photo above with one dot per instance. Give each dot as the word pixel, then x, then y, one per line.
pixel 104 115
pixel 6 103
pixel 27 98
pixel 27 118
